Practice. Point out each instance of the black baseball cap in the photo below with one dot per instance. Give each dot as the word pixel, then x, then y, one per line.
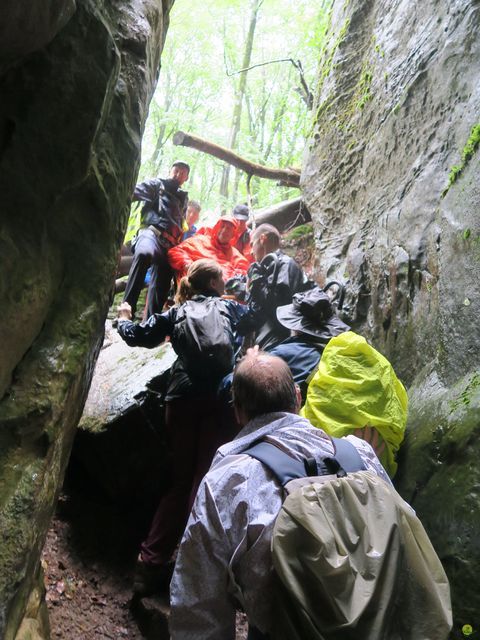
pixel 241 212
pixel 181 164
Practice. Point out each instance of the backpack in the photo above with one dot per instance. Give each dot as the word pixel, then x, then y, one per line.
pixel 203 339
pixel 351 559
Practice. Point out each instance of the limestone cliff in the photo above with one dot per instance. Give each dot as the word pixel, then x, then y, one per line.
pixel 76 81
pixel 391 179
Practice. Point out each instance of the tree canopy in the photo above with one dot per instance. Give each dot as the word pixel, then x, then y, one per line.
pixel 201 92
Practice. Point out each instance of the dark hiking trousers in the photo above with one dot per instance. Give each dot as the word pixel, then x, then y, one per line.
pixel 195 432
pixel 149 251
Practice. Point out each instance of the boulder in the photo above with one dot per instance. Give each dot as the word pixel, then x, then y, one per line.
pixel 120 448
pixel 73 101
pixel 390 178
pixel 439 475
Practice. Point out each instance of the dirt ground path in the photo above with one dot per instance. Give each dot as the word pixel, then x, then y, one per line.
pixel 88 559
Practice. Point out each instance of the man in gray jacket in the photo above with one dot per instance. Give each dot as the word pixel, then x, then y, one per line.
pixel 224 562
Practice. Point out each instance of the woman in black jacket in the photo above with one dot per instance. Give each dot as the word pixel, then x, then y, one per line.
pixel 193 412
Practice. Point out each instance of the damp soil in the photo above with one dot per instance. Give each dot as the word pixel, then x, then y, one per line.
pixel 88 560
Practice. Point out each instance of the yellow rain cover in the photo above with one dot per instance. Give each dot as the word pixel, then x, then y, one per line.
pixel 355 387
pixel 134 221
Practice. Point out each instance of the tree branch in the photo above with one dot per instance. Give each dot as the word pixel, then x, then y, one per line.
pixel 284 215
pixel 288 177
pixel 303 90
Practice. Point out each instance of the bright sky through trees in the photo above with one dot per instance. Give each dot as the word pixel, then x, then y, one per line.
pixel 195 94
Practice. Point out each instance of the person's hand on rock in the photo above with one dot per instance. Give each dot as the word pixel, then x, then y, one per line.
pixel 124 311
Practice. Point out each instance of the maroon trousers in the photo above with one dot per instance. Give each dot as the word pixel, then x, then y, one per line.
pixel 196 427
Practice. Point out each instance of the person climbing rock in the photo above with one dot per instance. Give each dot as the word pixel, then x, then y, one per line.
pixel 272 281
pixel 214 243
pixel 356 391
pixel 201 328
pixel 163 217
pixel 312 322
pixel 225 559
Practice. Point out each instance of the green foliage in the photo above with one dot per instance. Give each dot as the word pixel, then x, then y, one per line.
pixel 195 94
pixel 472 144
pixel 299 232
pixel 468 150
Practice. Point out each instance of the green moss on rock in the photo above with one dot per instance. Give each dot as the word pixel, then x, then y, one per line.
pixel 467 153
pixel 299 232
pixel 440 477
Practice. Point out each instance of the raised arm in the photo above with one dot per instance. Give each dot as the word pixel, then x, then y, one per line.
pixel 148 335
pixel 182 256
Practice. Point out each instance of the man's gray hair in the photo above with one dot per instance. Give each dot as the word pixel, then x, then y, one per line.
pixel 263 384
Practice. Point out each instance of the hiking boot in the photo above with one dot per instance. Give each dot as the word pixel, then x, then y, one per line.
pixel 151 578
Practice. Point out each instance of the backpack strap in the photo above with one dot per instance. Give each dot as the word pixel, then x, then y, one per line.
pixel 347 455
pixel 283 466
pixel 286 468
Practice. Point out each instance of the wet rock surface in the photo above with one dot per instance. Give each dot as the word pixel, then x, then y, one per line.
pixel 73 102
pixel 440 477
pixel 120 447
pixel 398 98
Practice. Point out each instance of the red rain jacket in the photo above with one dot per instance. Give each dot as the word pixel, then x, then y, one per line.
pixel 204 245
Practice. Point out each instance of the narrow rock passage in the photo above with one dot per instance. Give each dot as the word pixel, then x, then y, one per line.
pixel 88 560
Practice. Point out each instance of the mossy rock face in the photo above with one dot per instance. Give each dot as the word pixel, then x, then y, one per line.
pixel 440 476
pixel 72 113
pixel 35 624
pixel 397 109
pixel 374 177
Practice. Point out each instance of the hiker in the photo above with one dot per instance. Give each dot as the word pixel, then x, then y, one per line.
pixel 192 413
pixel 272 281
pixel 355 387
pixel 312 322
pixel 163 216
pixel 224 561
pixel 215 244
pixel 191 218
pixel 242 236
pixel 344 557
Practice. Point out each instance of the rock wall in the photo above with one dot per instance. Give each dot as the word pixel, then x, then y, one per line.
pixel 74 92
pixel 391 179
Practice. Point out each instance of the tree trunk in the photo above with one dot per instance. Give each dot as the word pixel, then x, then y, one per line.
pixel 239 94
pixel 284 215
pixel 288 177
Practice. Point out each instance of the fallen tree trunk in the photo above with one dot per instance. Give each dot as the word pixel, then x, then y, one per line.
pixel 287 177
pixel 284 215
